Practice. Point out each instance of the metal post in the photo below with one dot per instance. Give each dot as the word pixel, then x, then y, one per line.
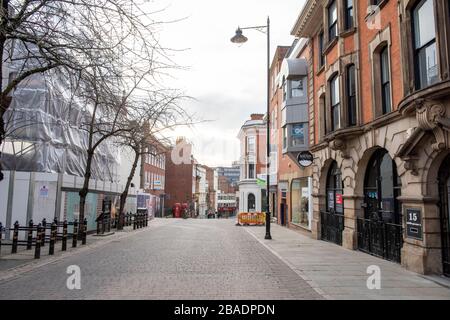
pixel 15 237
pixel 37 248
pixel 64 236
pixel 134 222
pixel 44 227
pixel 51 247
pixel 268 235
pixel 75 234
pixel 1 236
pixel 30 235
pixel 83 241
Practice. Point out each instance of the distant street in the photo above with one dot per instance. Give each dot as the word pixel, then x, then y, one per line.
pixel 172 259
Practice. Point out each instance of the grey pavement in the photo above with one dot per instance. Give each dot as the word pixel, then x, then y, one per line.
pixel 171 259
pixel 338 273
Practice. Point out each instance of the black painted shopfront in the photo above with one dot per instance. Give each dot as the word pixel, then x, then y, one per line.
pixel 332 218
pixel 380 231
pixel 444 193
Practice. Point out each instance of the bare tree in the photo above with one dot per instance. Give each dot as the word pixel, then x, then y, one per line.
pixel 74 36
pixel 160 116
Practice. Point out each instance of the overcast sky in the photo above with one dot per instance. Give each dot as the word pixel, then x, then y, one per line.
pixel 228 81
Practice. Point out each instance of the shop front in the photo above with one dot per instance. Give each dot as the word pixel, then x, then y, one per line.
pixel 301 200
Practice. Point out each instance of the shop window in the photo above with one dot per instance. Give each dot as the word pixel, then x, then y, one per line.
pixel 351 95
pixel 335 190
pixel 382 187
pixel 425 55
pixel 385 80
pixel 335 103
pixel 332 21
pixel 300 202
pixel 349 22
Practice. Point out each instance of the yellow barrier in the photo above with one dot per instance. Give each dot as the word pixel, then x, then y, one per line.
pixel 257 218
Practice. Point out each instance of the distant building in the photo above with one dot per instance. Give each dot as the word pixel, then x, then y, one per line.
pixel 226 204
pixel 153 173
pixel 181 176
pixel 231 173
pixel 252 190
pixel 212 180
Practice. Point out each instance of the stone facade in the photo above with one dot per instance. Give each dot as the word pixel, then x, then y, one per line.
pixel 414 130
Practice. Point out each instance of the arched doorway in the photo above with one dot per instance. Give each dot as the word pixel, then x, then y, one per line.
pixel 444 194
pixel 332 219
pixel 380 231
pixel 251 202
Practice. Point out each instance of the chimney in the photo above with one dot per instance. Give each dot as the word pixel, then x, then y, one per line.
pixel 257 116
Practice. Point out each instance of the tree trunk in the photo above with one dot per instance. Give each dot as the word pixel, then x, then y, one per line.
pixel 4 104
pixel 85 190
pixel 124 195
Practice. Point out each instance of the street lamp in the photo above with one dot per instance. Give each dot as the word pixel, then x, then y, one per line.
pixel 240 38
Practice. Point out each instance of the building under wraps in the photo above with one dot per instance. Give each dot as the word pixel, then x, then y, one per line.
pixel 44 156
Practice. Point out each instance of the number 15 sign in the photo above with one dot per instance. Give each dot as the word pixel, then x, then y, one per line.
pixel 414 223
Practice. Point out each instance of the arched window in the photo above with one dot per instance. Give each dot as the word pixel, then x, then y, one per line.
pixel 385 77
pixel 382 188
pixel 335 202
pixel 251 202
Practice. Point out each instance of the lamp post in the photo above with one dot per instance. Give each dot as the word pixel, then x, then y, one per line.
pixel 240 38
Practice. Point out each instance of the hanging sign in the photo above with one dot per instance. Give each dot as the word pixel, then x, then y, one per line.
pixel 414 223
pixel 305 159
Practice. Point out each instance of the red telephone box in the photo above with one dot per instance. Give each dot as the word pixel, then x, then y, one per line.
pixel 176 210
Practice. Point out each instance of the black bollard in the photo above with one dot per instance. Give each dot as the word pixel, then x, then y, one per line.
pixel 134 222
pixel 64 236
pixel 30 235
pixel 53 231
pixel 1 236
pixel 75 234
pixel 83 240
pixel 37 248
pixel 15 237
pixel 44 228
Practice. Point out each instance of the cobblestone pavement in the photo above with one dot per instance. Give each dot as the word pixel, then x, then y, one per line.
pixel 172 259
pixel 342 274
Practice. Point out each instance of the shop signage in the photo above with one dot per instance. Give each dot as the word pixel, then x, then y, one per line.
pixel 414 223
pixel 305 159
pixel 339 198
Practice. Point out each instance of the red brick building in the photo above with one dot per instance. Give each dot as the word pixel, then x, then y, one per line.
pixel 180 184
pixel 153 173
pixel 380 127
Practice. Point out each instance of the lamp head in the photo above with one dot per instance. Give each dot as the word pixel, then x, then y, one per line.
pixel 239 37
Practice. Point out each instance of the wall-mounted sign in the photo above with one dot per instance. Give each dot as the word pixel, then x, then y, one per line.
pixel 305 159
pixel 43 192
pixel 414 223
pixel 339 199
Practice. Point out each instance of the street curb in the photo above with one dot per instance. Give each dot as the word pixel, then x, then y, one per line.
pixel 310 282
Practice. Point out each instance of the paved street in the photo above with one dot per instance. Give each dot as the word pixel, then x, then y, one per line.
pixel 172 259
pixel 213 259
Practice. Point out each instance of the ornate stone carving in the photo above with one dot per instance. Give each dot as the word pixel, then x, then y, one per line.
pixel 429 116
pixel 339 145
